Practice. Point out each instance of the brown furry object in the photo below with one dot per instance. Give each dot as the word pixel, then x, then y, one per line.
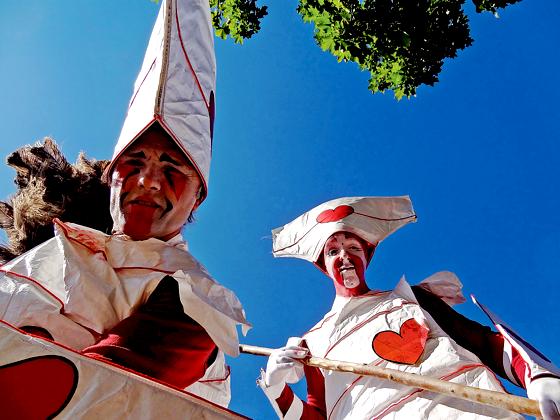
pixel 49 187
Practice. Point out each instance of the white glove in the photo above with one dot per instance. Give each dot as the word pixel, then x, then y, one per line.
pixel 547 392
pixel 283 364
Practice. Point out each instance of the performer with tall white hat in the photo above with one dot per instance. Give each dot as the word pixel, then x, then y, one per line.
pixel 137 297
pixel 412 329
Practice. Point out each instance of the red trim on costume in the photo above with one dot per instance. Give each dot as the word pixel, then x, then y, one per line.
pixel 371 318
pixel 417 391
pixel 365 295
pixel 228 373
pixel 133 372
pixel 186 152
pixel 145 268
pixel 412 216
pixel 187 57
pixel 320 326
pixel 141 83
pixel 109 168
pixel 36 283
pixel 360 214
pixel 341 395
pixel 80 240
pixel 296 242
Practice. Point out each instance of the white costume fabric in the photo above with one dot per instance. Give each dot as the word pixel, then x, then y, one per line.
pixel 176 84
pixel 53 381
pixel 83 281
pixel 387 329
pixel 347 333
pixel 370 218
pixel 358 328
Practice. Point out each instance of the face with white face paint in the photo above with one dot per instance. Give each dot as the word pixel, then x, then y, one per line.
pixel 154 188
pixel 345 260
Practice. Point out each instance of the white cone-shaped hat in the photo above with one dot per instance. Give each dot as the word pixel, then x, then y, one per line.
pixel 175 87
pixel 370 218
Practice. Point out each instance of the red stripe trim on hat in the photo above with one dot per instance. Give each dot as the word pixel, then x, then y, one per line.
pixel 387 220
pixel 187 57
pixel 186 152
pixel 109 167
pixel 413 216
pixel 159 119
pixel 143 80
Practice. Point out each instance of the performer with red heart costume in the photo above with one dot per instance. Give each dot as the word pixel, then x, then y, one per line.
pixel 137 297
pixel 412 329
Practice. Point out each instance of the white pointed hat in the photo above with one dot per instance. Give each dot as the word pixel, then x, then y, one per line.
pixel 175 87
pixel 370 218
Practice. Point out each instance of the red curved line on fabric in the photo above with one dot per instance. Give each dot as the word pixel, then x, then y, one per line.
pixel 145 268
pixel 103 361
pixel 143 80
pixel 371 318
pixel 360 214
pixel 217 380
pixel 344 393
pixel 396 404
pixel 187 57
pixel 365 295
pixel 320 326
pixel 13 273
pixel 499 381
pixel 63 227
pixel 419 390
pixel 370 293
pixel 296 242
pixel 413 216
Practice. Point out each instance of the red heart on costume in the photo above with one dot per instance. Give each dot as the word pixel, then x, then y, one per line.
pixel 37 388
pixel 405 347
pixel 333 215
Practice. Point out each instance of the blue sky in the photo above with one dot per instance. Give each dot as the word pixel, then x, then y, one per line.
pixel 478 153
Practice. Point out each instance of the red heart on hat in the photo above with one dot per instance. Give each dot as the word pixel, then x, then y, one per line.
pixel 37 388
pixel 333 215
pixel 404 347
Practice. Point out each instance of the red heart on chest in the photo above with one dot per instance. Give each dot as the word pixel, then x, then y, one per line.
pixel 37 388
pixel 333 215
pixel 404 347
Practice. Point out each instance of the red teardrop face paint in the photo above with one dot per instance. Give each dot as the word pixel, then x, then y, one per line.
pixel 154 188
